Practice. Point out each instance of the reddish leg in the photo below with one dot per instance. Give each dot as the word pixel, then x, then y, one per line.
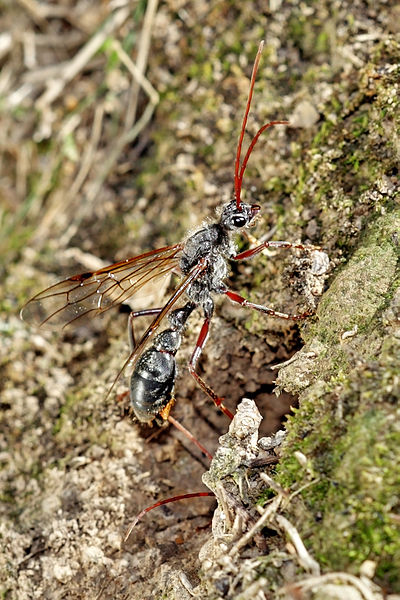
pixel 264 309
pixel 192 369
pixel 133 315
pixel 285 245
pixel 189 435
pixel 161 503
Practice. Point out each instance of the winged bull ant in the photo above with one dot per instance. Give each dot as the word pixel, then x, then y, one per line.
pixel 202 260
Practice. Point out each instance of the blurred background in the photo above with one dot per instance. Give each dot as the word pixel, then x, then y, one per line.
pixel 119 125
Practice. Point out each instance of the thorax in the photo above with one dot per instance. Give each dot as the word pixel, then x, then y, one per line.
pixel 212 242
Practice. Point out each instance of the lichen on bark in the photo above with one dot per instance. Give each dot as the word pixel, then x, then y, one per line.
pixel 342 450
pixel 347 373
pixel 347 424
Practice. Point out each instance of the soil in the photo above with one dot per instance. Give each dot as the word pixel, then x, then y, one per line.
pixel 119 126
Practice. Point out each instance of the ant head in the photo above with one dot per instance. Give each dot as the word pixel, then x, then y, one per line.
pixel 234 218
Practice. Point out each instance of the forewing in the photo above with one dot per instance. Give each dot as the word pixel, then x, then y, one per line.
pixel 90 294
pixel 154 325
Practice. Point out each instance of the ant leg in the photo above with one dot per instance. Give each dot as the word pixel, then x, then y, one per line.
pixel 131 335
pixel 161 503
pixel 264 309
pixel 133 315
pixel 143 313
pixel 189 435
pixel 201 340
pixel 285 245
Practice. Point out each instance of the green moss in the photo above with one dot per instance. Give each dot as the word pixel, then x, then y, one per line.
pixel 347 422
pixel 356 464
pixel 360 124
pixel 360 504
pixel 323 134
pixel 266 495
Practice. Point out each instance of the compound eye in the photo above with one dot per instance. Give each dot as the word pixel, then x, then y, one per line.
pixel 239 221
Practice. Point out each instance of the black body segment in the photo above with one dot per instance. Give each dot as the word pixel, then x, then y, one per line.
pixel 152 380
pixel 151 383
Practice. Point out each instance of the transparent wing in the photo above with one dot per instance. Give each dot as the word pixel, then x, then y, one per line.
pixel 90 294
pixel 195 272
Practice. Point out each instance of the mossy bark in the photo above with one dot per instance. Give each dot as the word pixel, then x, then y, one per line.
pixel 348 373
pixel 347 424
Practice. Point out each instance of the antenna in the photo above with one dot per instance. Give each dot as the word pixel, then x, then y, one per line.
pixel 240 168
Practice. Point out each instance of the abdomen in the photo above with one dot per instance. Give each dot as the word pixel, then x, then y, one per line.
pixel 152 383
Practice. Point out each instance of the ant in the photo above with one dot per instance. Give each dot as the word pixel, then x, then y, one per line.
pixel 202 260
